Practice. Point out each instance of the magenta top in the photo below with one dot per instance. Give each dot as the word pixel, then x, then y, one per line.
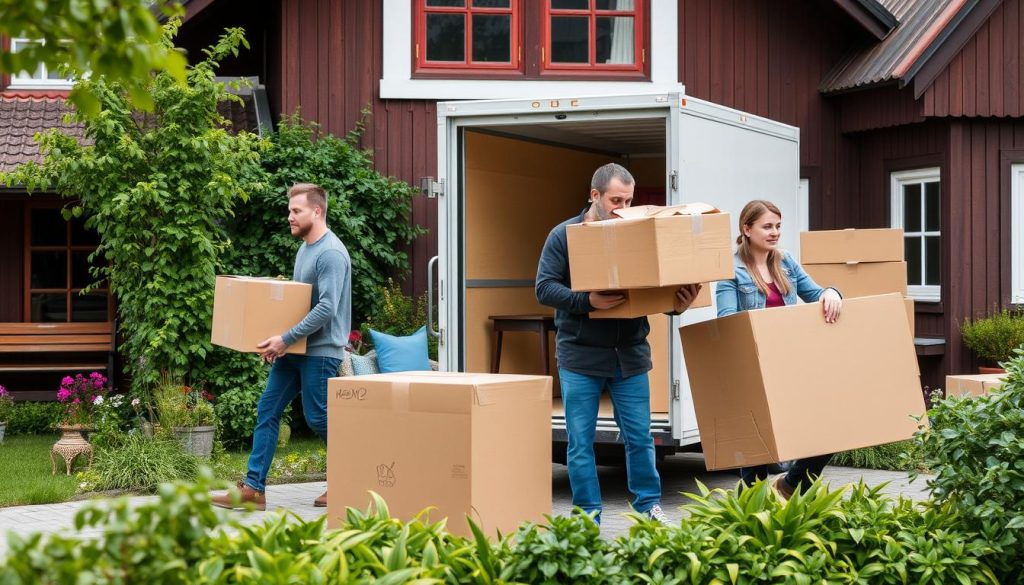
pixel 774 298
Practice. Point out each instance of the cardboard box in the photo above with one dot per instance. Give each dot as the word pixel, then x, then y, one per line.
pixel 973 385
pixel 248 310
pixel 861 280
pixel 851 245
pixel 778 384
pixel 650 247
pixel 465 444
pixel 641 302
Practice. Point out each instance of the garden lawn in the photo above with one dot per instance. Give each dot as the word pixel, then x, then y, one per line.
pixel 25 473
pixel 301 460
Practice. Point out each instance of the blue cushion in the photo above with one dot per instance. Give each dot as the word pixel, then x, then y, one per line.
pixel 363 365
pixel 401 354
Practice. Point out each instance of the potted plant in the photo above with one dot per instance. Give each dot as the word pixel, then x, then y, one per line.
pixel 188 413
pixel 993 338
pixel 6 406
pixel 81 397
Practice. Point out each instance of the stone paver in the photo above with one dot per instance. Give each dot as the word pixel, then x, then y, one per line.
pixel 679 473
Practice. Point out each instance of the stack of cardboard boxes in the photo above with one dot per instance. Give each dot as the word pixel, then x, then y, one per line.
pixel 858 262
pixel 648 254
pixel 973 384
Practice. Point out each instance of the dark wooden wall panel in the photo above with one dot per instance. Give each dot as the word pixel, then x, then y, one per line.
pixel 331 62
pixel 11 260
pixel 979 224
pixel 883 107
pixel 984 78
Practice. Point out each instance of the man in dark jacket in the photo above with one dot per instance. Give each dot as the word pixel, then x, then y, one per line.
pixel 594 353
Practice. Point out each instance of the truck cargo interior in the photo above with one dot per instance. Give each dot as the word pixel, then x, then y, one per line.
pixel 519 181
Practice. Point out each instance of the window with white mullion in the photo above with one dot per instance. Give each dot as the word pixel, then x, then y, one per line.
pixel 916 209
pixel 43 77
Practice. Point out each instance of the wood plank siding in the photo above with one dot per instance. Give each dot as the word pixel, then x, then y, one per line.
pixel 11 243
pixel 330 65
pixel 984 78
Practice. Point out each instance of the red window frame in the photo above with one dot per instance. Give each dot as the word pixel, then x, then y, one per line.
pixel 640 21
pixel 468 10
pixel 531 45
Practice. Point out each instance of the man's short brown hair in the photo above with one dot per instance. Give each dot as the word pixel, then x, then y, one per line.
pixel 315 194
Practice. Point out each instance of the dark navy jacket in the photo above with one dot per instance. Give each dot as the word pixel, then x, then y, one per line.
pixel 584 345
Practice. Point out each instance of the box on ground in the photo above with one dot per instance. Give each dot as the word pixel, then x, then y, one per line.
pixel 973 384
pixel 778 384
pixel 851 245
pixel 641 302
pixel 651 247
pixel 861 280
pixel 465 444
pixel 248 310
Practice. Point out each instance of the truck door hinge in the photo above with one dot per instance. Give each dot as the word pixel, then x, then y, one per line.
pixel 675 390
pixel 673 180
pixel 431 188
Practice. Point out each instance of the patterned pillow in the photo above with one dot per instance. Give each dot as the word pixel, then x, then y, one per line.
pixel 364 364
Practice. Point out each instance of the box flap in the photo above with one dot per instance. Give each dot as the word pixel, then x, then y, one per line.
pixel 641 211
pixel 851 246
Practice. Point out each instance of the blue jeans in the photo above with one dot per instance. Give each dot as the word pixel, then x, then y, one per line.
pixel 800 475
pixel 289 376
pixel 631 400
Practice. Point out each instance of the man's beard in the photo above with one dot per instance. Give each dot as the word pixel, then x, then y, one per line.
pixel 602 215
pixel 303 231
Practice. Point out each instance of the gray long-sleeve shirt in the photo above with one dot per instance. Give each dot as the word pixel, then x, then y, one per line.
pixel 326 265
pixel 587 346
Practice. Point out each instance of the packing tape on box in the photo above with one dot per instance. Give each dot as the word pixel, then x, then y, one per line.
pixel 277 291
pixel 400 396
pixel 696 224
pixel 610 243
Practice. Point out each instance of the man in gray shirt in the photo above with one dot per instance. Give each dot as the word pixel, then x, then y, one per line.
pixel 323 262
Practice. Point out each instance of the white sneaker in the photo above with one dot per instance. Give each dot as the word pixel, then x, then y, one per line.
pixel 657 514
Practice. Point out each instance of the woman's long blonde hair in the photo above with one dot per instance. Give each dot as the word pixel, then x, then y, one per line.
pixel 751 213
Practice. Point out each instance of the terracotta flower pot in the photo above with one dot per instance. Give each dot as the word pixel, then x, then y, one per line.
pixel 988 370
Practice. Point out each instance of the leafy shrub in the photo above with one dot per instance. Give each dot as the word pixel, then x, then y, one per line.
pixel 6 404
pixel 899 456
pixel 396 313
pixel 369 212
pixel 180 405
pixel 139 463
pixel 111 419
pixel 568 550
pixel 976 450
pixel 994 338
pixel 34 418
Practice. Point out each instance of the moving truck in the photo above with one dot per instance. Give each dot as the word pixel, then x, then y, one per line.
pixel 510 170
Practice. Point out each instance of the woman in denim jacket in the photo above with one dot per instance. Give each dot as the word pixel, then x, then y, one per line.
pixel 767 277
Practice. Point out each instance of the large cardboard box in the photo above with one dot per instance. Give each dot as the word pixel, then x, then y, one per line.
pixel 248 310
pixel 861 280
pixel 973 384
pixel 911 315
pixel 650 247
pixel 851 245
pixel 778 384
pixel 465 444
pixel 641 302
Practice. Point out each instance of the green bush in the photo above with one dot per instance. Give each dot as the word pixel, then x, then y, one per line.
pixel 994 338
pixel 396 313
pixel 370 213
pixel 975 448
pixel 899 456
pixel 34 418
pixel 236 416
pixel 819 536
pixel 139 463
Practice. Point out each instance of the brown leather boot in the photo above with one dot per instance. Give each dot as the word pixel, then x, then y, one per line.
pixel 782 487
pixel 246 497
pixel 321 501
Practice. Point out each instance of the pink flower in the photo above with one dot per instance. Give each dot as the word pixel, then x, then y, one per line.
pixel 67 381
pixel 98 382
pixel 63 394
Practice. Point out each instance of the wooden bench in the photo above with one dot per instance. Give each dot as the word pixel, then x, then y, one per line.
pixel 85 341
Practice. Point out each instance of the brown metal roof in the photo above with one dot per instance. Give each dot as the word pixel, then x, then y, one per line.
pixel 23 114
pixel 920 23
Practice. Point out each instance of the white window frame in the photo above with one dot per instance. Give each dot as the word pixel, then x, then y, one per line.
pixel 26 80
pixel 927 293
pixel 1017 233
pixel 397 82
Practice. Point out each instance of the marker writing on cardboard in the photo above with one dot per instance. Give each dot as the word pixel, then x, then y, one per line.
pixel 351 393
pixel 386 474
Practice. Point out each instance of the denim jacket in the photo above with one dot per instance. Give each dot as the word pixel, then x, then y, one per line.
pixel 741 293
